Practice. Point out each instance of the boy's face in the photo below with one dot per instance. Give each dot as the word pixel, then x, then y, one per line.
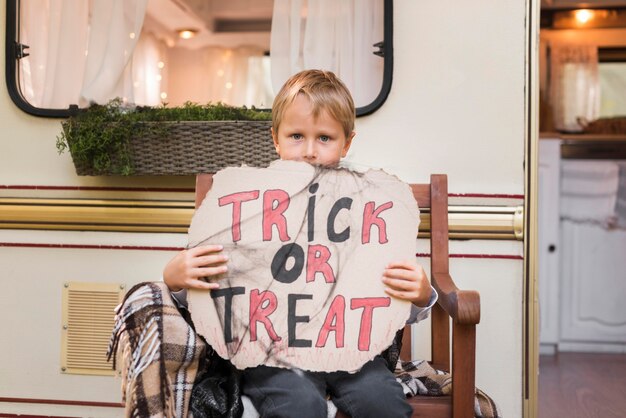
pixel 302 137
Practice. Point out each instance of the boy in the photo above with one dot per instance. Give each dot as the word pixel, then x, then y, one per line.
pixel 313 121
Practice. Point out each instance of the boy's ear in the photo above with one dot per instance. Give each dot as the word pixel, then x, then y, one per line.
pixel 275 139
pixel 346 146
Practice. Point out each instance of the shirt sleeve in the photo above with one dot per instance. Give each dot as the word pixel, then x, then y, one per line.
pixel 419 313
pixel 180 298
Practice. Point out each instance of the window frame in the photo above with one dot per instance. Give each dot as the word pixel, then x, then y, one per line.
pixel 611 54
pixel 14 51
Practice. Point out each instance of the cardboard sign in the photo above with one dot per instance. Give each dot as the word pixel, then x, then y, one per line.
pixel 307 248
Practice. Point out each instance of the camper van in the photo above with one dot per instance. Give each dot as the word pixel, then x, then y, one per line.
pixel 440 87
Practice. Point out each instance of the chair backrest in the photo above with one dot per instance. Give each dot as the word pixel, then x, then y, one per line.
pixel 204 182
pixel 433 198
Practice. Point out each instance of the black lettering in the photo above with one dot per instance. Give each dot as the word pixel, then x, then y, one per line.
pixel 343 203
pixel 279 263
pixel 310 212
pixel 292 320
pixel 228 293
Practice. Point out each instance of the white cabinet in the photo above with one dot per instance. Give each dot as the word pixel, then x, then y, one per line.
pixel 582 264
pixel 593 308
pixel 548 244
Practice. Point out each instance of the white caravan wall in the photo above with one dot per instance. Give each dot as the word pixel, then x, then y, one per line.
pixel 456 107
pixel 457 102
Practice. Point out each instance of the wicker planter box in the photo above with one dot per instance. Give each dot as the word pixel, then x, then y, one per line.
pixel 187 148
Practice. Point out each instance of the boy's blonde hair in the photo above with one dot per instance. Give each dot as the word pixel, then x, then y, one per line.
pixel 324 90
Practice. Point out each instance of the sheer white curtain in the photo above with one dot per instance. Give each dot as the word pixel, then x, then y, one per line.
pixel 56 31
pixel 150 71
pixel 574 85
pixel 259 92
pixel 112 39
pixel 335 35
pixel 80 51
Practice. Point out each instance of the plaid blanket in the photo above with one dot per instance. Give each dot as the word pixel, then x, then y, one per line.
pixel 418 377
pixel 160 355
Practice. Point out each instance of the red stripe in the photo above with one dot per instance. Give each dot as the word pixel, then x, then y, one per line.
pixel 32 416
pixel 488 256
pixel 147 248
pixel 495 196
pixel 88 247
pixel 61 402
pixel 95 188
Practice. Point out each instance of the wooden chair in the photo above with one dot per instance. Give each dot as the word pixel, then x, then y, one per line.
pixel 461 307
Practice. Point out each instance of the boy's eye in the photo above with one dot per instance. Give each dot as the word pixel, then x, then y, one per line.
pixel 324 138
pixel 297 137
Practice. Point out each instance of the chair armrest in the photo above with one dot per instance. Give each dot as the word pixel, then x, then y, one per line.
pixel 463 306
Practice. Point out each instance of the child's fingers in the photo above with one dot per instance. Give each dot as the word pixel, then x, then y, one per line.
pixel 210 260
pixel 201 284
pixel 400 284
pixel 209 271
pixel 205 249
pixel 399 294
pixel 402 289
pixel 402 264
pixel 402 274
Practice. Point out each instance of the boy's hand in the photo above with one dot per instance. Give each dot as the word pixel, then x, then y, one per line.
pixel 407 280
pixel 188 267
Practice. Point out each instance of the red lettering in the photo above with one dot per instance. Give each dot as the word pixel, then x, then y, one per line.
pixel 236 199
pixel 371 217
pixel 335 321
pixel 275 215
pixel 258 313
pixel 368 305
pixel 317 262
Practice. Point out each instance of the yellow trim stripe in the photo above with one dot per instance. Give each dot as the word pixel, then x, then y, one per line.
pixel 466 222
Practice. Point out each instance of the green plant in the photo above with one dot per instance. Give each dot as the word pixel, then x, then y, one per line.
pixel 99 136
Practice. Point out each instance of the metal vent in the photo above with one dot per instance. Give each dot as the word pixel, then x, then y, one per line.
pixel 88 315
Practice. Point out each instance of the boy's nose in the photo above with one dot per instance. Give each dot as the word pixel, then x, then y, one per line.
pixel 310 153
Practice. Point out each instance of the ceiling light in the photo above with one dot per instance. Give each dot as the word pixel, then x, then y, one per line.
pixel 584 15
pixel 187 33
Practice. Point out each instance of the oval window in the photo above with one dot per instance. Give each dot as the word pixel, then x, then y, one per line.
pixel 151 52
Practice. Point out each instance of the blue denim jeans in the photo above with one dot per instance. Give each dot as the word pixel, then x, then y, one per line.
pixel 371 392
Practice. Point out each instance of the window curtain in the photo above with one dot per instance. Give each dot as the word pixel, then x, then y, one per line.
pixel 56 32
pixel 74 57
pixel 108 73
pixel 259 92
pixel 335 35
pixel 574 85
pixel 150 71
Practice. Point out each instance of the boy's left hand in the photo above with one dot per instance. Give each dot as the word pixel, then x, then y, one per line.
pixel 407 280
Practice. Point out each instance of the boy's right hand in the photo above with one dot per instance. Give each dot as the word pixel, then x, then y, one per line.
pixel 188 267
